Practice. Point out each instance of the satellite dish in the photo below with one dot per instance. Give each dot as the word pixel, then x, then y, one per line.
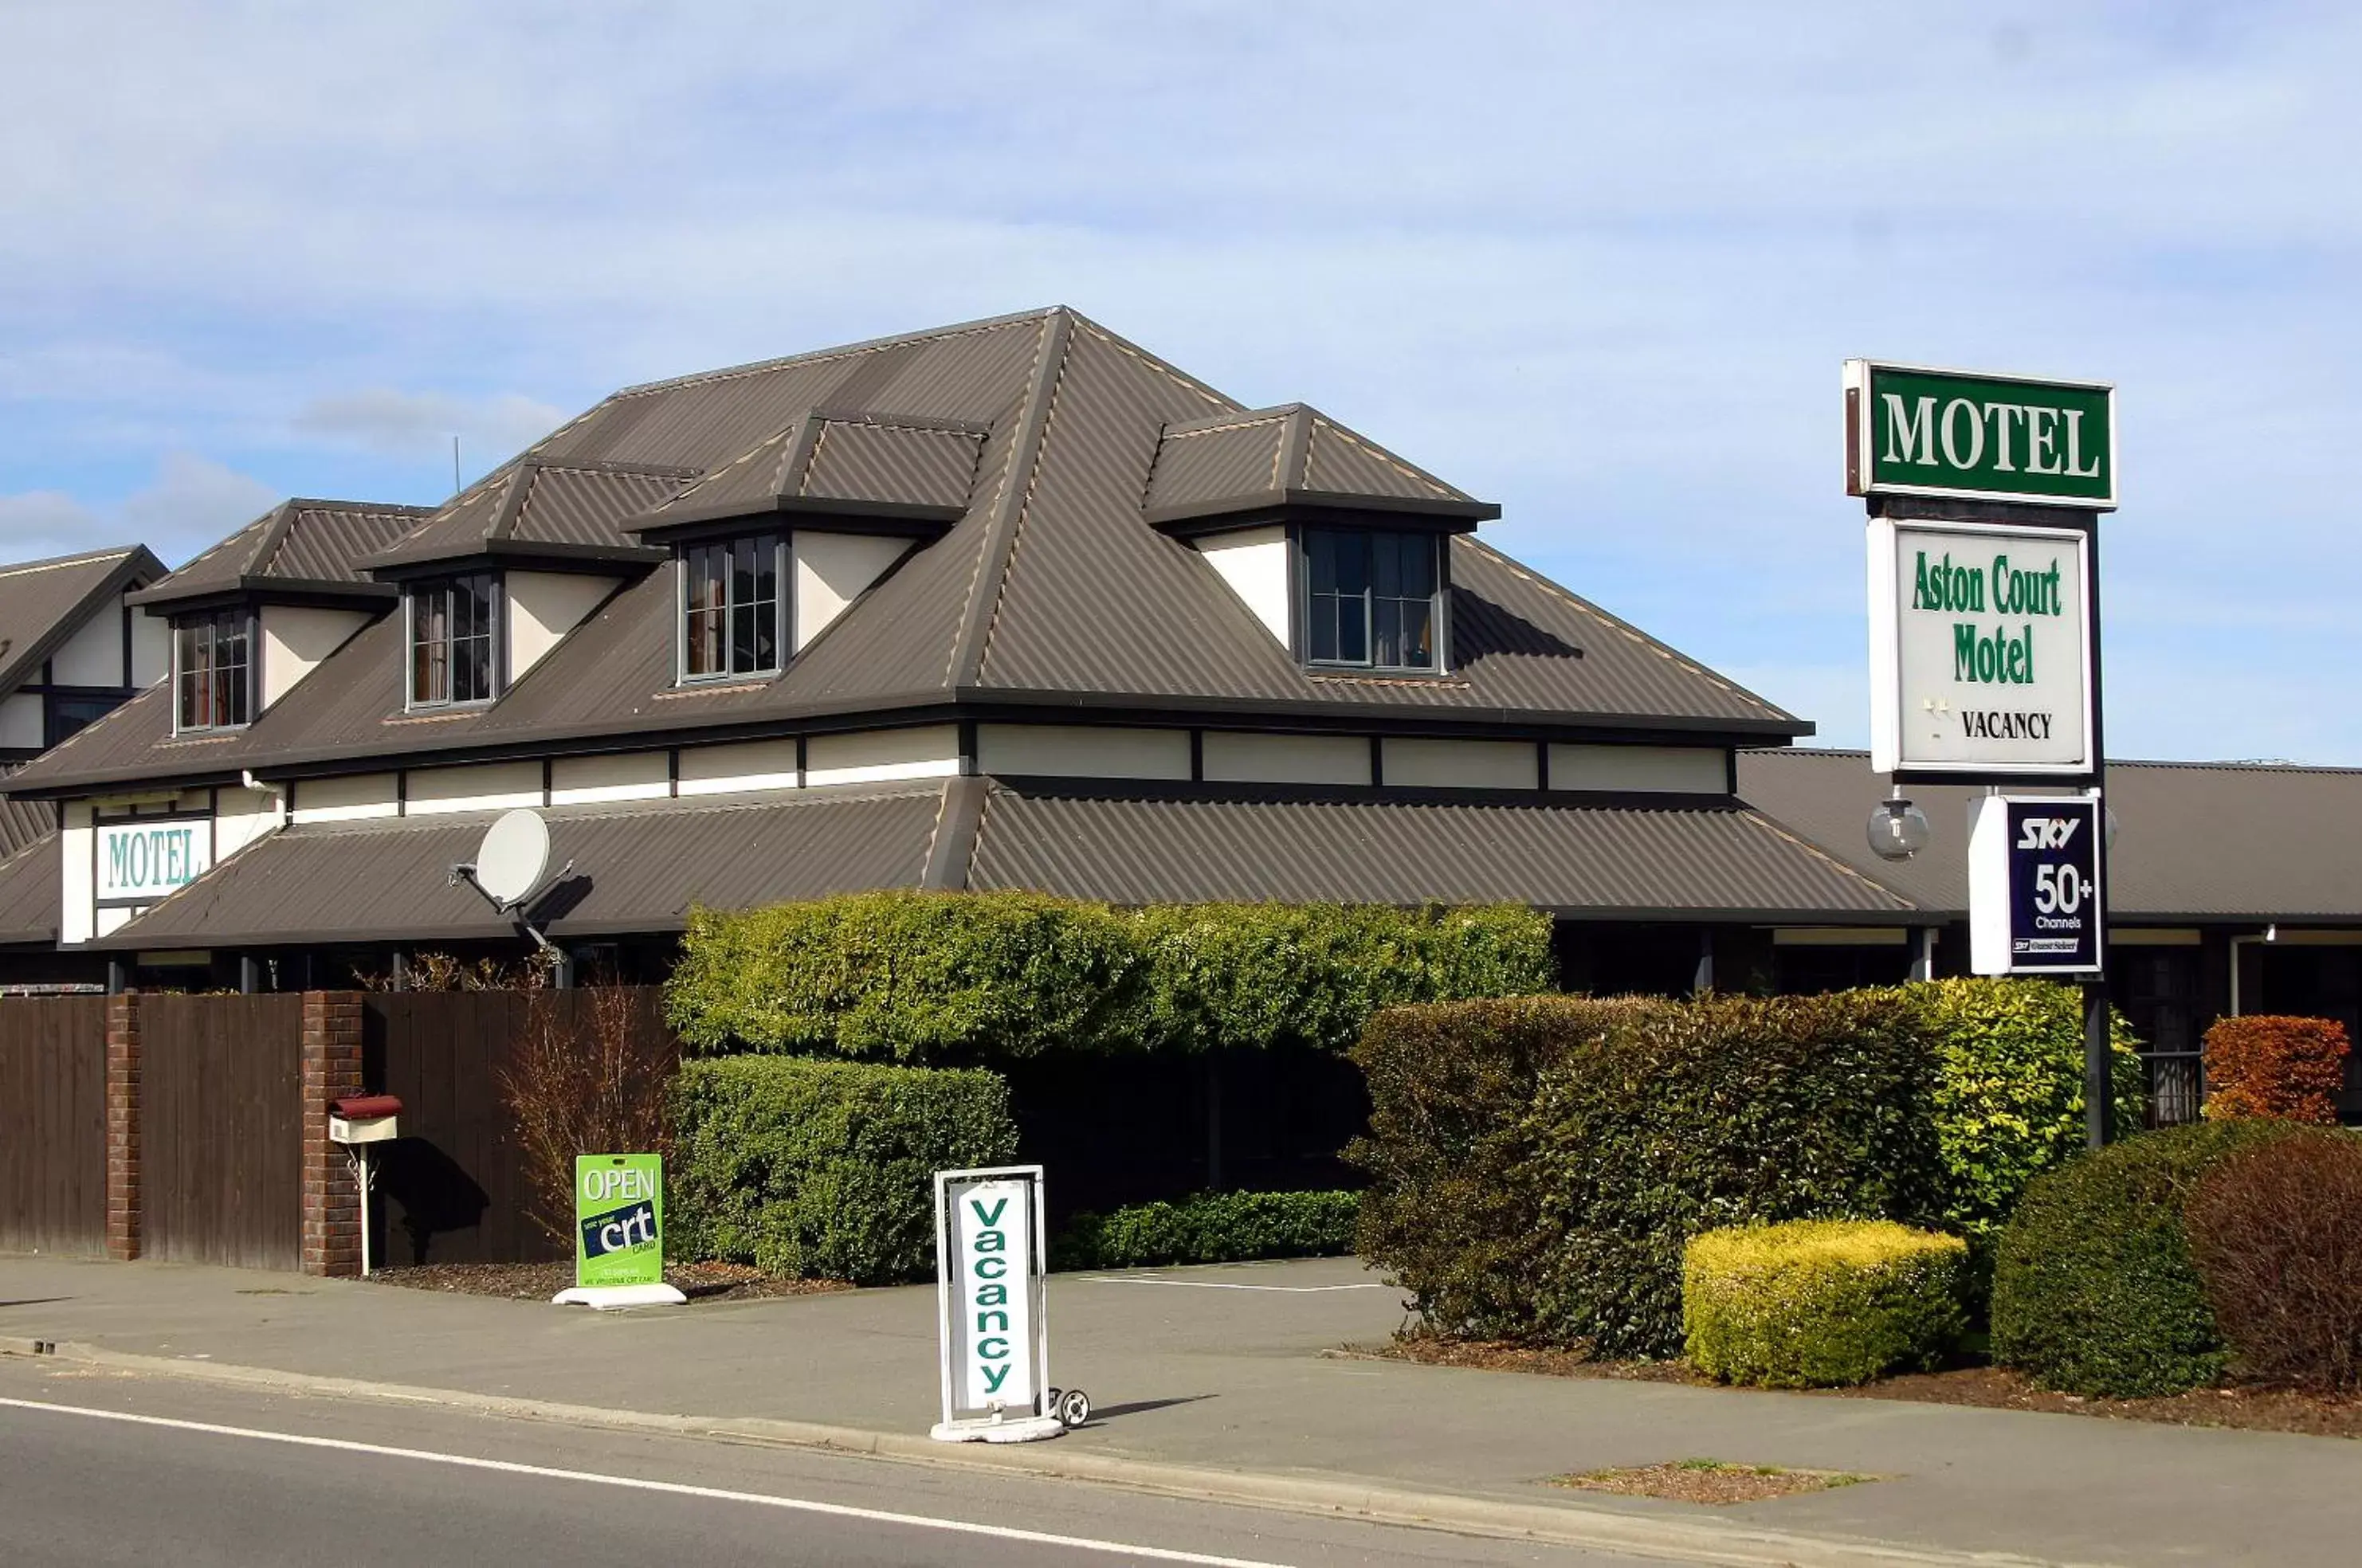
pixel 514 854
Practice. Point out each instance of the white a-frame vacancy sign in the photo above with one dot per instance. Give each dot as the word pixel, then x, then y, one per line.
pixel 990 1255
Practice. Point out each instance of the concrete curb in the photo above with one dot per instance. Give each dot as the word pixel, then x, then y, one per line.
pixel 1563 1524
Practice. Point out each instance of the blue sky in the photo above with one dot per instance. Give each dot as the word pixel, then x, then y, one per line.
pixel 1600 263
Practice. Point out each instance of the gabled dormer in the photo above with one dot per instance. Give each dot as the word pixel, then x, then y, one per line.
pixel 496 579
pixel 771 547
pixel 1336 545
pixel 257 613
pixel 73 647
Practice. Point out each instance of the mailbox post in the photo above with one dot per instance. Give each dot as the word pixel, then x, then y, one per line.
pixel 355 1122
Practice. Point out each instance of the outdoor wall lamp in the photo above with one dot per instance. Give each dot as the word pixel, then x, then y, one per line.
pixel 1898 830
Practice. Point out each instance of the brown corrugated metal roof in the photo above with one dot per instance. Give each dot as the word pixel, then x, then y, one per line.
pixel 22 821
pixel 305 542
pixel 1050 589
pixel 44 603
pixel 2196 841
pixel 853 464
pixel 636 867
pixel 30 894
pixel 1292 455
pixel 1674 860
pixel 534 501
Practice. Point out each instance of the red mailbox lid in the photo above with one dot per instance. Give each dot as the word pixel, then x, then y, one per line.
pixel 356 1107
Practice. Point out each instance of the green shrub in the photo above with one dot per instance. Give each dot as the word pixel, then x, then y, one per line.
pixel 912 976
pixel 1263 976
pixel 1454 1207
pixel 958 978
pixel 1210 1227
pixel 1820 1303
pixel 1725 1111
pixel 2009 1089
pixel 824 1170
pixel 1538 1165
pixel 2094 1288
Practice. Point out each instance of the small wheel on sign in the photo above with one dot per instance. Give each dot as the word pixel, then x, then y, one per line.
pixel 1073 1408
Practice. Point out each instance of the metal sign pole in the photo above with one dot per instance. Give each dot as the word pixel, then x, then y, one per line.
pixel 2099 1065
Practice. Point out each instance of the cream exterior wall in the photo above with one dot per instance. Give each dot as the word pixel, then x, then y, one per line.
pixel 297 639
pixel 1238 756
pixel 115 918
pixel 929 751
pixel 543 606
pixel 744 764
pixel 94 655
pixel 348 797
pixel 486 787
pixel 1254 561
pixel 1082 751
pixel 20 722
pixel 1461 764
pixel 77 875
pixel 631 775
pixel 832 570
pixel 1647 769
pixel 151 648
pixel 242 816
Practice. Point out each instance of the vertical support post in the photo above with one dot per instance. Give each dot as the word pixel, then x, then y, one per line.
pixel 1702 980
pixel 2099 1075
pixel 123 1190
pixel 249 974
pixel 331 1069
pixel 1923 962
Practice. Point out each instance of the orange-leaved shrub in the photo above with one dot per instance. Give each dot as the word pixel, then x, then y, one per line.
pixel 2285 1068
pixel 2275 1233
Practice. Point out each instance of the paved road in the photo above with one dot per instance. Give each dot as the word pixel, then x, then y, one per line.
pixel 202 1475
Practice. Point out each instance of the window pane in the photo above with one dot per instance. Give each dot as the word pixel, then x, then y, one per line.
pixel 1321 549
pixel 1419 633
pixel 1353 628
pixel 1386 631
pixel 1352 563
pixel 1321 642
pixel 1385 564
pixel 1418 554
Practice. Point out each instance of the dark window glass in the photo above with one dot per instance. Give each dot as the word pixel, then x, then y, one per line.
pixel 210 671
pixel 731 610
pixel 69 714
pixel 454 647
pixel 1371 597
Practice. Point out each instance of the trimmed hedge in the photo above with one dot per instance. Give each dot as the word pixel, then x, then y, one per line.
pixel 1538 1165
pixel 912 976
pixel 959 977
pixel 824 1170
pixel 1210 1227
pixel 2093 1290
pixel 1820 1303
pixel 2258 1064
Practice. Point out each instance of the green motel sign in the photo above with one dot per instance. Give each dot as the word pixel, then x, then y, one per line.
pixel 1911 430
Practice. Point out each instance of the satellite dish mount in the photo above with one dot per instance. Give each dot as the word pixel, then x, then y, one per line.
pixel 511 869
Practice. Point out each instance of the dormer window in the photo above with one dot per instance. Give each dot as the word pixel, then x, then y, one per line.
pixel 733 617
pixel 1373 599
pixel 212 671
pixel 455 641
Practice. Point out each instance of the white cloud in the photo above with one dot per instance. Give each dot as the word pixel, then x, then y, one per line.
pixel 407 424
pixel 190 504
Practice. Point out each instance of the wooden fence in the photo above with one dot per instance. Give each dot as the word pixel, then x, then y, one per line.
pixel 53 1125
pixel 212 1123
pixel 221 1114
pixel 455 1186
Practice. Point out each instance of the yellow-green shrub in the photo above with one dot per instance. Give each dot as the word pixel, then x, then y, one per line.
pixel 1820 1303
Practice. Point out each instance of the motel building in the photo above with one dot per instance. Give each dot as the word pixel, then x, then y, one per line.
pixel 1017 604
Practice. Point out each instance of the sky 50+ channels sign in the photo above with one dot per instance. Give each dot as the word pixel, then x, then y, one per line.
pixel 2034 884
pixel 1911 430
pixel 1980 642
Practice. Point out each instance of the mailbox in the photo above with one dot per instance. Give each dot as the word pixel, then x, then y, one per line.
pixel 363 1119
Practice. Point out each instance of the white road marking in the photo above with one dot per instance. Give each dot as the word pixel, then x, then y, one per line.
pixel 674 1488
pixel 1216 1285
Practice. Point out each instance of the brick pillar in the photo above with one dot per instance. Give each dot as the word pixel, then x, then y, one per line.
pixel 332 1068
pixel 123 1127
